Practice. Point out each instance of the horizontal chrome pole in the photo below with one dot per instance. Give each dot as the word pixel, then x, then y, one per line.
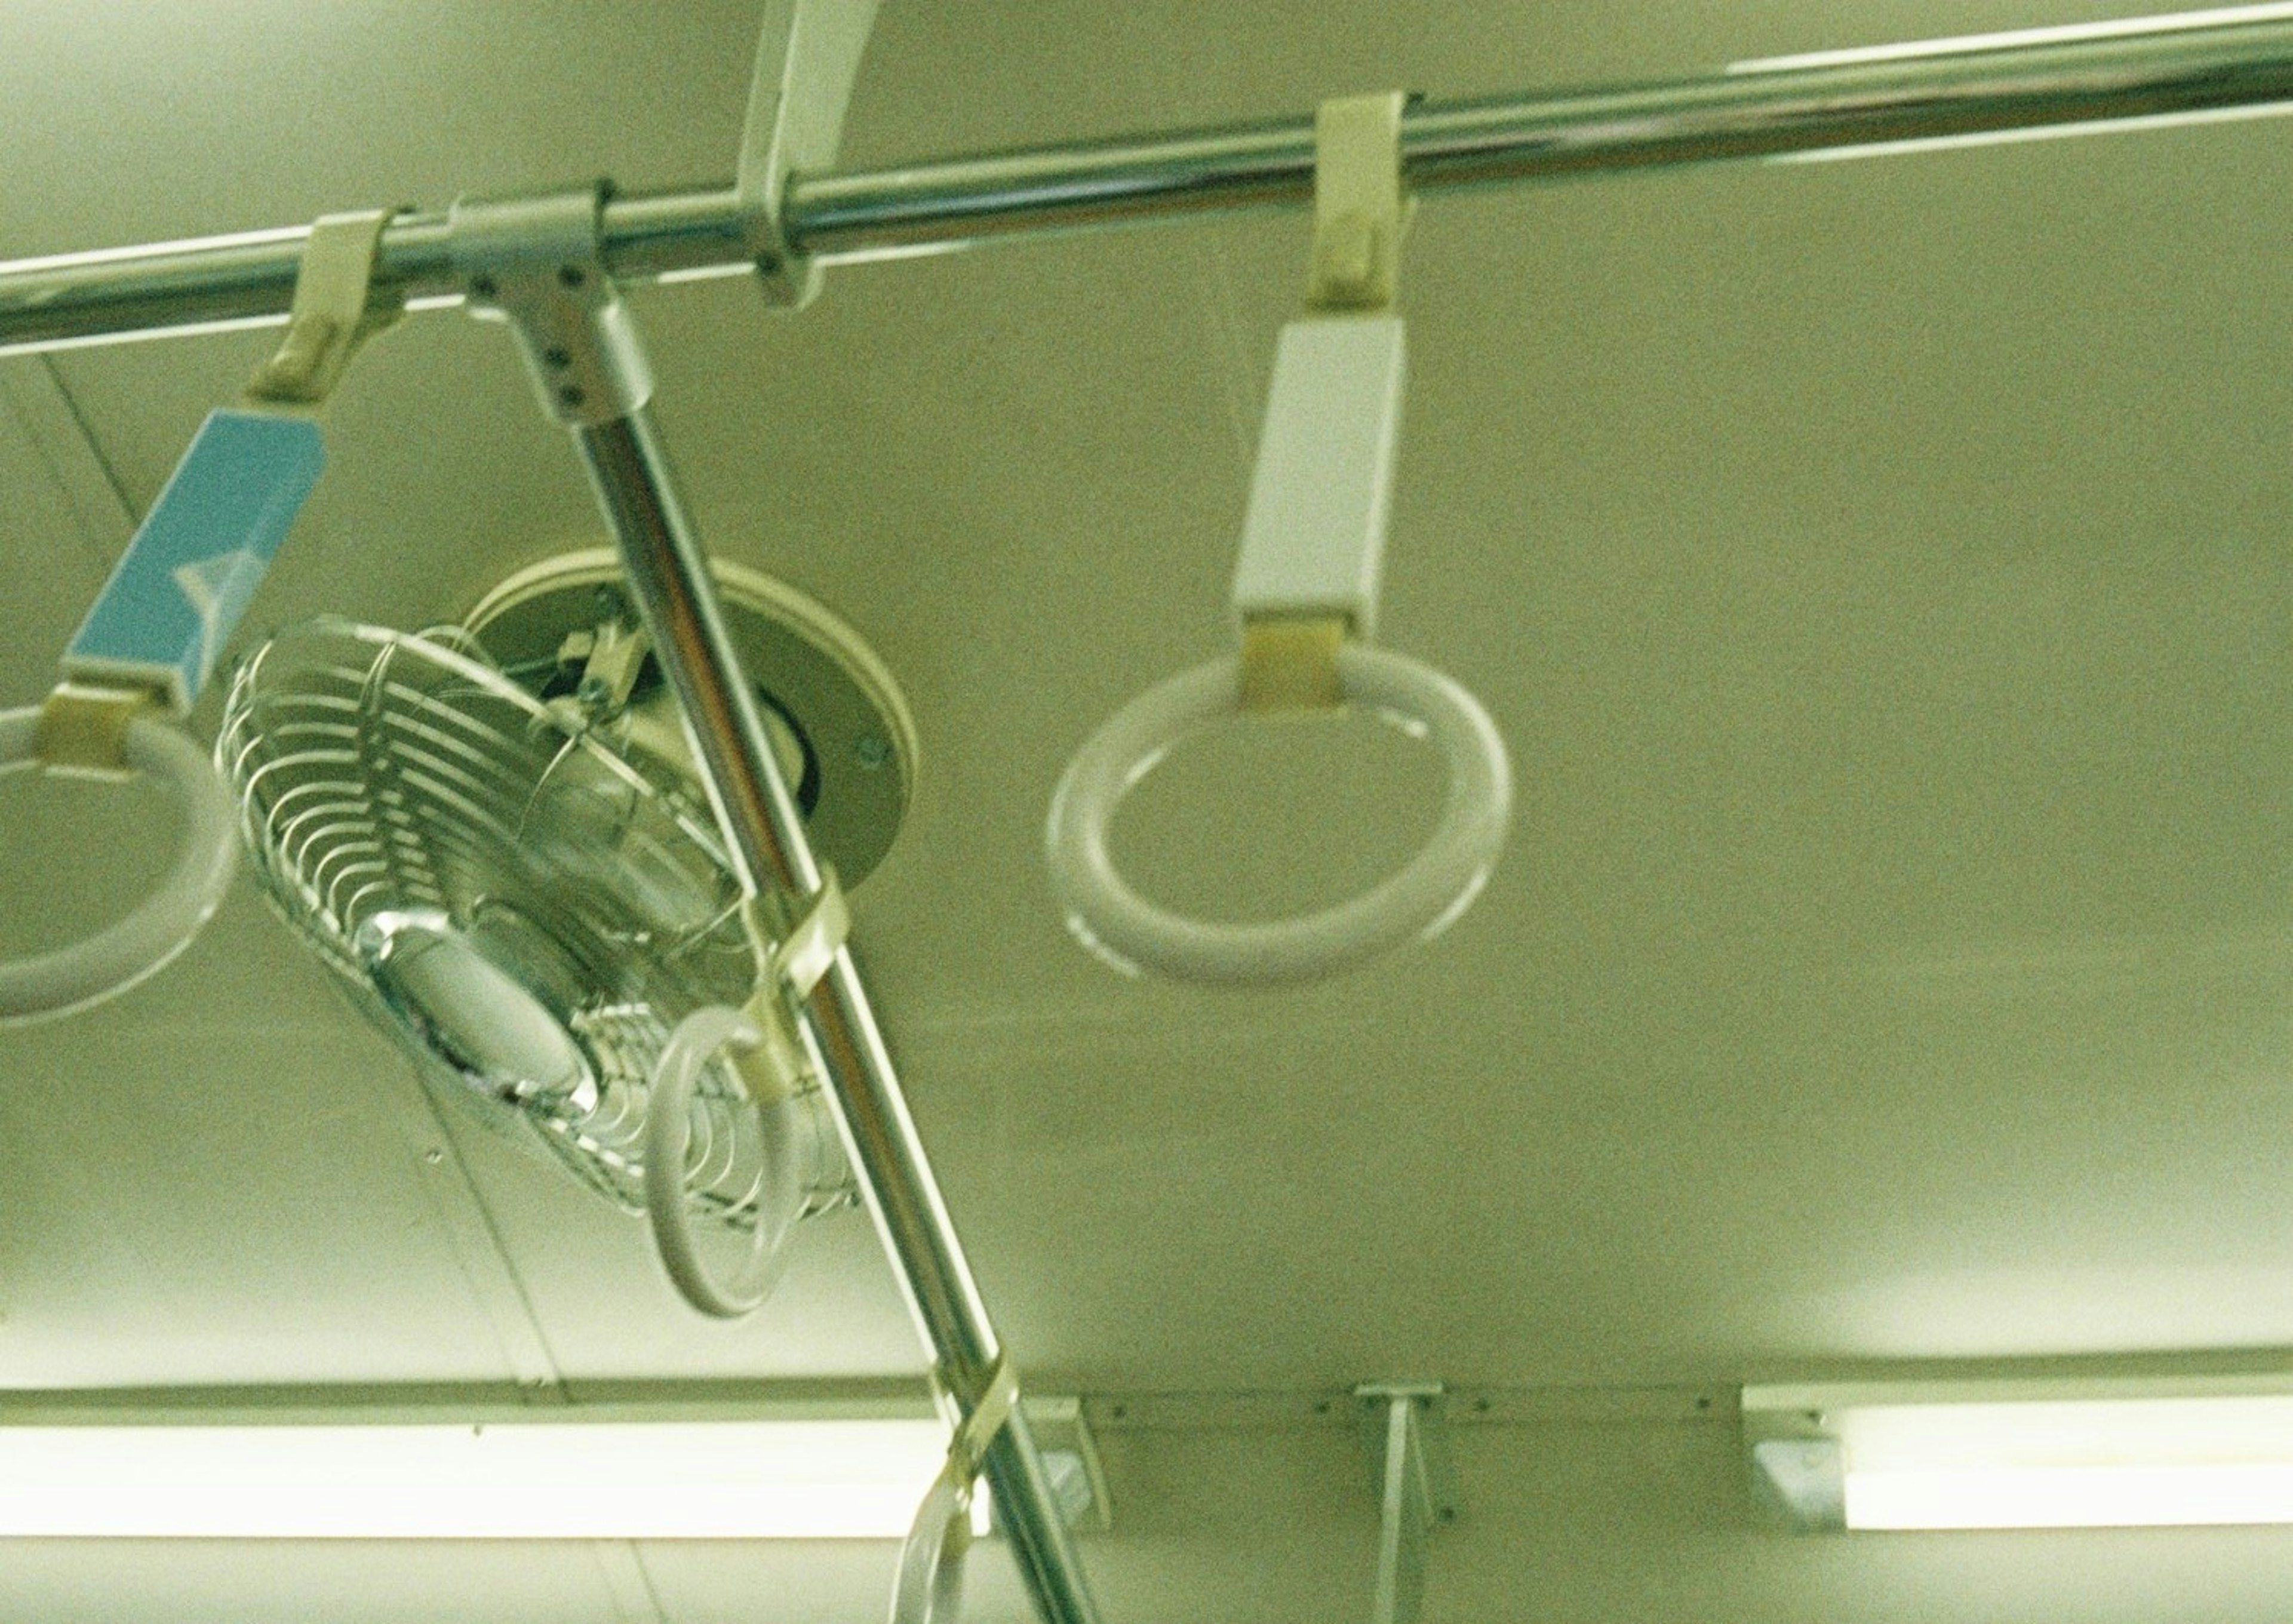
pixel 2062 80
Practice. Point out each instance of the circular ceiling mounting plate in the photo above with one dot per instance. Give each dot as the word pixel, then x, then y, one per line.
pixel 848 740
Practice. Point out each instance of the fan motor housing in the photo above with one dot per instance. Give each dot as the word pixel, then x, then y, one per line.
pixel 842 729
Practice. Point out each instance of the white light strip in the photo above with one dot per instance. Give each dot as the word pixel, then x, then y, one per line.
pixel 514 1480
pixel 2042 132
pixel 189 329
pixel 2033 1453
pixel 2070 1497
pixel 2068 33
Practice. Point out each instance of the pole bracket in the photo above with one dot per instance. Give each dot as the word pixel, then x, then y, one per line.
pixel 1405 1429
pixel 538 265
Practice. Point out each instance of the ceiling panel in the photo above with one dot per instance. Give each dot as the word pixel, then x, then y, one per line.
pixel 1877 569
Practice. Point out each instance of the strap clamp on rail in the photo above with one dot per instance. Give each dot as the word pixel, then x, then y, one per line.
pixel 334 311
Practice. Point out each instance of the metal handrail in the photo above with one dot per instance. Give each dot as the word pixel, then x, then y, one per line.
pixel 2064 80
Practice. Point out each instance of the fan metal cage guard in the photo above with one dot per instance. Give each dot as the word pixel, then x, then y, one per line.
pixel 394 789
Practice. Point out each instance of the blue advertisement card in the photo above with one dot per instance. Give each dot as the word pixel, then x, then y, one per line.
pixel 172 604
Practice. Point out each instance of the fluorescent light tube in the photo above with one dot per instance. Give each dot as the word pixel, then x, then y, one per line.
pixel 2064 34
pixel 1925 50
pixel 496 1479
pixel 2080 1453
pixel 2042 132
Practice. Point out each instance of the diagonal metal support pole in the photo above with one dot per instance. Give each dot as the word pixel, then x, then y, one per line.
pixel 1405 1430
pixel 536 264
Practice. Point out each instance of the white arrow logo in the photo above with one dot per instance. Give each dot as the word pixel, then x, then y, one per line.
pixel 218 590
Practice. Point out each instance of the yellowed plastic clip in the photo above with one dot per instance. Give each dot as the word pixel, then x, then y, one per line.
pixel 967 1449
pixel 1359 206
pixel 335 309
pixel 1289 662
pixel 83 729
pixel 802 957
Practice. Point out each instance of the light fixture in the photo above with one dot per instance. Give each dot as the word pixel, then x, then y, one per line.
pixel 2025 1452
pixel 2059 33
pixel 387 1470
pixel 2069 33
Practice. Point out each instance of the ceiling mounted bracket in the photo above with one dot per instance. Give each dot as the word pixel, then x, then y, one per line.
pixel 808 57
pixel 1406 1430
pixel 537 264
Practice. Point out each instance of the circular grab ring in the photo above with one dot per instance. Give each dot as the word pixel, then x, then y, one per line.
pixel 928 1587
pixel 1419 901
pixel 117 957
pixel 669 1131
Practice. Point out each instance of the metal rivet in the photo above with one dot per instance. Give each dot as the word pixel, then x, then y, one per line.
pixel 573 276
pixel 485 287
pixel 558 357
pixel 871 751
pixel 769 264
pixel 571 394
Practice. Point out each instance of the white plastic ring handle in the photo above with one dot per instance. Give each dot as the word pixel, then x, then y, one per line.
pixel 117 957
pixel 1417 902
pixel 668 1129
pixel 929 1587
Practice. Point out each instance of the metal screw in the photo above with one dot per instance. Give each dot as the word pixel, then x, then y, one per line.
pixel 593 691
pixel 573 276
pixel 871 751
pixel 558 357
pixel 571 394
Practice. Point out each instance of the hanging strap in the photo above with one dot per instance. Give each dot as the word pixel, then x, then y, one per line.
pixel 153 635
pixel 928 1588
pixel 334 311
pixel 1306 583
